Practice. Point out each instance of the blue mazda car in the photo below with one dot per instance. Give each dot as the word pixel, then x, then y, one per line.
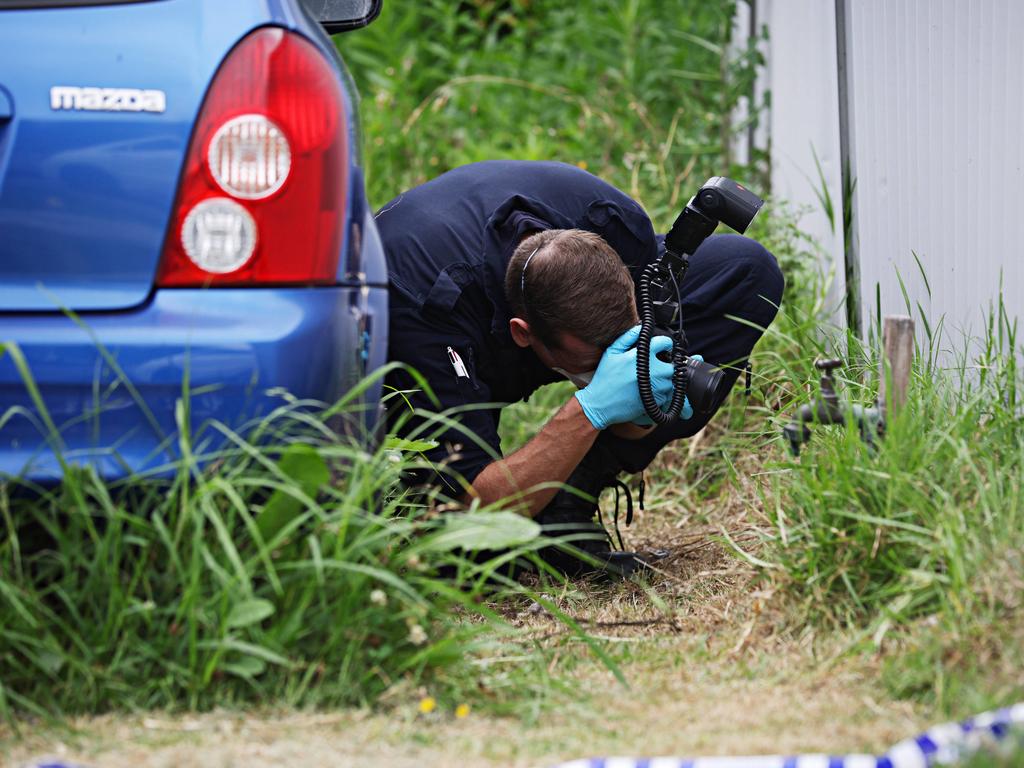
pixel 184 232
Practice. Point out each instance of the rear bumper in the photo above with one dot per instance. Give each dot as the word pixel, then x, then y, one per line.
pixel 111 382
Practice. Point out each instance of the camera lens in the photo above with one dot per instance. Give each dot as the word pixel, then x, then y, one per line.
pixel 705 382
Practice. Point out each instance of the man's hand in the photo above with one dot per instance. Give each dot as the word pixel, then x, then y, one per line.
pixel 664 401
pixel 612 396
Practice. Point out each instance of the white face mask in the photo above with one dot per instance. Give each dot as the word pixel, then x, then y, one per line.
pixel 579 379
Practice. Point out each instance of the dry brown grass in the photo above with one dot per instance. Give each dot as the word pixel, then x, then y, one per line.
pixel 687 712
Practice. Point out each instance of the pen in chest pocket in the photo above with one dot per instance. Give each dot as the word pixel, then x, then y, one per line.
pixel 457 364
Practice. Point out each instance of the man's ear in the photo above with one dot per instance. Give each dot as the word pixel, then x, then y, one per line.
pixel 520 330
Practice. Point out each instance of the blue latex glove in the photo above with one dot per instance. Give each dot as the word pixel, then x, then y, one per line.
pixel 612 396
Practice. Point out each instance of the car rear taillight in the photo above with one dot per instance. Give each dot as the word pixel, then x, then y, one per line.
pixel 262 198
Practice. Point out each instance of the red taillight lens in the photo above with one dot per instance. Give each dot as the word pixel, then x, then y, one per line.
pixel 262 199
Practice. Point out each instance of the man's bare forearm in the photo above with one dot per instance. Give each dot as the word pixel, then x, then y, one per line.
pixel 550 457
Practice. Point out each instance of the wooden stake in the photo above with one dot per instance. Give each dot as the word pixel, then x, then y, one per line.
pixel 897 356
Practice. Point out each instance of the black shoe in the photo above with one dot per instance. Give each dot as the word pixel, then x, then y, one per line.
pixel 578 534
pixel 624 564
pixel 570 516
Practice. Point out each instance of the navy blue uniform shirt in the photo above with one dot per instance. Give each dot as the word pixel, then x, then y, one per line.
pixel 448 243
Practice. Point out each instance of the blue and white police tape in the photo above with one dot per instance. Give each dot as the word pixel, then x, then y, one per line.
pixel 946 744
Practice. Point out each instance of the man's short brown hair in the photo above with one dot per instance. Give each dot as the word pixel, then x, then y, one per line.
pixel 570 281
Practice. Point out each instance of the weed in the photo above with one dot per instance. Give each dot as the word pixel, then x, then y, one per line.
pixel 291 566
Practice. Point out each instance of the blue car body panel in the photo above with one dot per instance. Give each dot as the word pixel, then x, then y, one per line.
pixel 87 195
pixel 85 203
pixel 111 387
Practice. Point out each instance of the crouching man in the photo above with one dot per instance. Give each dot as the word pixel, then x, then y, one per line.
pixel 508 275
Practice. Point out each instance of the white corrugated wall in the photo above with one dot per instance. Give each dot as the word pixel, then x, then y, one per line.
pixel 803 123
pixel 936 114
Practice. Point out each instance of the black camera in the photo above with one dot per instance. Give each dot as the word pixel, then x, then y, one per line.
pixel 719 200
pixel 703 383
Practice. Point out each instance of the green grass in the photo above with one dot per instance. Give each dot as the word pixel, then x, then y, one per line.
pixel 289 567
pixel 913 549
pixel 638 91
pixel 909 528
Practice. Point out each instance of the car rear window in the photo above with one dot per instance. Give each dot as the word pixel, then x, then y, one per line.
pixel 8 4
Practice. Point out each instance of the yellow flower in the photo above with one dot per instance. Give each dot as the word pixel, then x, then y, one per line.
pixel 582 164
pixel 462 711
pixel 427 705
